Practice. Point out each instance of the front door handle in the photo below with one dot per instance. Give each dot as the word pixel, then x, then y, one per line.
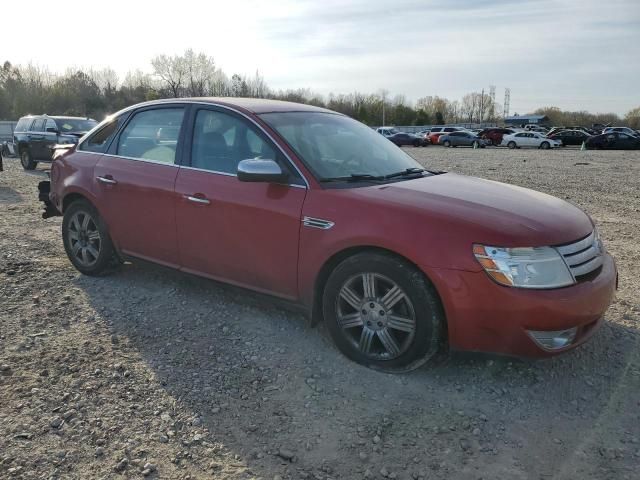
pixel 200 200
pixel 107 180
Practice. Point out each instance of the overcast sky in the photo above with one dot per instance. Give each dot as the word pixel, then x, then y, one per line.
pixel 574 54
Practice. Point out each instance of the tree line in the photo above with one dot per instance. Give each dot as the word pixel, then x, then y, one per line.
pixel 98 92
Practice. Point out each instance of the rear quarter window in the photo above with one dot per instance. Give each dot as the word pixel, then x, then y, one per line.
pixel 24 124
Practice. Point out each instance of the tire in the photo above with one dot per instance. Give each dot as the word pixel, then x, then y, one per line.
pixel 86 239
pixel 545 146
pixel 26 160
pixel 414 334
pixel 446 143
pixel 512 145
pixel 416 143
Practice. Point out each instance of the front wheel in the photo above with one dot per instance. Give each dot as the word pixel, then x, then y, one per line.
pixel 27 161
pixel 511 145
pixel 383 313
pixel 446 143
pixel 545 146
pixel 86 239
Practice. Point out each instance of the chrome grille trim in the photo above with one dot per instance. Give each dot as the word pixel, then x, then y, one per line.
pixel 317 223
pixel 588 267
pixel 584 256
pixel 577 246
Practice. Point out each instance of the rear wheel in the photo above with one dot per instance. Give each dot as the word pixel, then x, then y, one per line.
pixel 27 161
pixel 416 143
pixel 511 145
pixel 86 239
pixel 382 312
pixel 446 143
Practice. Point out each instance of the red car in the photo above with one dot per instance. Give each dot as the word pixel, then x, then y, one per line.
pixel 436 132
pixel 311 206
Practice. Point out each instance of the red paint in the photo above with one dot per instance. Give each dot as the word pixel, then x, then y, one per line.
pixel 250 234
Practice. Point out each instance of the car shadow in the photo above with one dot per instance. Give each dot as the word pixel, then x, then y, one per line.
pixel 9 196
pixel 262 380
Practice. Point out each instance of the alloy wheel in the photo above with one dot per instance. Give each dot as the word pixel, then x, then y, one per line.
pixel 84 239
pixel 376 316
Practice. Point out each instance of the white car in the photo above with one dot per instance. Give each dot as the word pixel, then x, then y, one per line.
pixel 529 139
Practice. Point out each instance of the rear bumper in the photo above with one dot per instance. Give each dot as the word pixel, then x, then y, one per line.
pixel 484 316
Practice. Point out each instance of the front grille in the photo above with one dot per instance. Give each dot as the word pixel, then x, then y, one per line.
pixel 584 256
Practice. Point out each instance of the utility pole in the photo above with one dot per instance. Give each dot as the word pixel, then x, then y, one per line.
pixel 383 93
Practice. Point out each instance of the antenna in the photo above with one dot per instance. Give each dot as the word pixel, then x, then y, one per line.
pixel 507 101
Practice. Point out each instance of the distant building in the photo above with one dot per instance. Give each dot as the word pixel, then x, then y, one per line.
pixel 518 120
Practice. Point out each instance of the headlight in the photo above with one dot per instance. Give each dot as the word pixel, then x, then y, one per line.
pixel 539 267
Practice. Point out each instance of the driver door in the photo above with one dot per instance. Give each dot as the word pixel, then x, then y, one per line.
pixel 238 232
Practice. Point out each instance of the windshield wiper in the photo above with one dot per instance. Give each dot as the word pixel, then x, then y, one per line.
pixel 405 172
pixel 354 177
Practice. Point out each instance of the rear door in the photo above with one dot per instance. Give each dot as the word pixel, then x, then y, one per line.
pixel 135 183
pixel 36 140
pixel 239 232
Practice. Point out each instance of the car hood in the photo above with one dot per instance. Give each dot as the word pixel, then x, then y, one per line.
pixel 486 211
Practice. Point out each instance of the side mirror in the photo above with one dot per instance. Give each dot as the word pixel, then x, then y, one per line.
pixel 255 170
pixel 52 130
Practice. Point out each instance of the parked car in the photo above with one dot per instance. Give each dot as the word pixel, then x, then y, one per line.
pixel 569 137
pixel 401 138
pixel 536 128
pixel 613 141
pixel 529 139
pixel 627 130
pixel 435 133
pixel 316 208
pixel 494 135
pixel 34 136
pixel 462 139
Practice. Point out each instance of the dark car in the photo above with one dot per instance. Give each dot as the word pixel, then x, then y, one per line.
pixel 402 138
pixel 494 135
pixel 613 141
pixel 35 135
pixel 570 137
pixel 316 208
pixel 462 139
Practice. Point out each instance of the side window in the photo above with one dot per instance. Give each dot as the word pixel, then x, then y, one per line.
pixel 100 140
pixel 38 125
pixel 221 141
pixel 24 124
pixel 50 124
pixel 152 135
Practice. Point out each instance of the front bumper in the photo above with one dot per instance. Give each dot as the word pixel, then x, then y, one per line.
pixel 484 316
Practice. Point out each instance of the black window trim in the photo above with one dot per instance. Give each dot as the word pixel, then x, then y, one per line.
pixel 261 132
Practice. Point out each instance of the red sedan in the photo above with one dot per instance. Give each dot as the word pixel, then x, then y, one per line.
pixel 311 206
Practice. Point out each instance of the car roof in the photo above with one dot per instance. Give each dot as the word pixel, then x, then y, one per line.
pixel 254 105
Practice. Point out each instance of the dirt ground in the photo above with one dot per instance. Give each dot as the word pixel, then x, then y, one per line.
pixel 150 372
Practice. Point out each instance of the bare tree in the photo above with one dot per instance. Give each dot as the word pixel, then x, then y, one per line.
pixel 172 71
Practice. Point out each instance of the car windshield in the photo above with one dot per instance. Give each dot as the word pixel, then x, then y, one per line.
pixel 67 125
pixel 335 146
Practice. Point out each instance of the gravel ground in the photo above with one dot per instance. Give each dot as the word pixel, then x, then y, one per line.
pixel 149 372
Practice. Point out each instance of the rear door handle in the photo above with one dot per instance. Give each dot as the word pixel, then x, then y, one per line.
pixel 200 200
pixel 107 180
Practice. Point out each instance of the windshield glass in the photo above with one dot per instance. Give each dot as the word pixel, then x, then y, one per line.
pixel 333 145
pixel 67 125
